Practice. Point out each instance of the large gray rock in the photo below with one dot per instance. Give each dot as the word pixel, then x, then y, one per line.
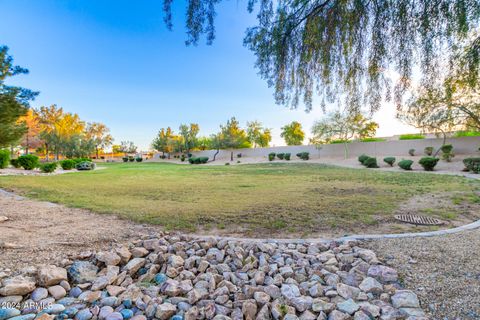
pixel 51 275
pixel 18 285
pixel 165 311
pixel 405 299
pixel 82 271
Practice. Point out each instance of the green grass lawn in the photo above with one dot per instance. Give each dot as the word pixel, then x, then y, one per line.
pixel 305 198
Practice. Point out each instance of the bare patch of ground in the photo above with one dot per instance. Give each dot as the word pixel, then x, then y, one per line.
pixel 40 232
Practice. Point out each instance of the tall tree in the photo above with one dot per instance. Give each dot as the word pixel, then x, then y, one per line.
pixel 164 141
pixel 232 136
pixel 293 134
pixel 31 138
pixel 341 49
pixel 343 126
pixel 257 134
pixel 100 136
pixel 189 135
pixel 127 147
pixel 49 117
pixel 14 101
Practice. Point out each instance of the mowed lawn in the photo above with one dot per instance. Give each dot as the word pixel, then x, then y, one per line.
pixel 303 197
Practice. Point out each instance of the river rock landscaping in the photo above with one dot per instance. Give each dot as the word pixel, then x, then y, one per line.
pixel 177 277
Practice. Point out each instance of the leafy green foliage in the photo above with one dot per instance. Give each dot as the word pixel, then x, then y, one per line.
pixel 293 134
pixel 48 167
pixel 447 152
pixel 287 156
pixel 271 156
pixel 4 158
pixel 125 159
pixel 472 164
pixel 28 161
pixel 258 135
pixel 68 164
pixel 428 163
pixel 85 166
pixel 411 136
pixel 139 159
pixel 198 160
pixel 15 163
pixel 405 164
pixel 182 158
pixel 428 151
pixel 303 155
pixel 362 158
pixel 389 160
pixel 280 156
pixel 459 134
pixel 370 162
pixel 372 139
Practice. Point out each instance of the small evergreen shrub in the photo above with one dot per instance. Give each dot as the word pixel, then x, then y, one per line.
pixel 139 159
pixel 197 160
pixel 15 163
pixel 131 158
pixel 125 159
pixel 447 152
pixel 239 155
pixel 428 151
pixel 428 163
pixel 370 162
pixel 78 160
pixel 48 167
pixel 227 163
pixel 287 156
pixel 28 161
pixel 389 160
pixel 67 164
pixel 271 156
pixel 4 158
pixel 411 152
pixel 472 164
pixel 182 158
pixel 303 155
pixel 362 158
pixel 405 164
pixel 85 165
pixel 280 156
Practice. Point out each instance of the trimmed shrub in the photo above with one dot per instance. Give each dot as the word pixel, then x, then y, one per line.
pixel 389 160
pixel 414 136
pixel 428 151
pixel 303 155
pixel 4 158
pixel 287 156
pixel 203 159
pixel 182 158
pixel 197 160
pixel 370 162
pixel 139 159
pixel 280 156
pixel 271 156
pixel 125 159
pixel 131 158
pixel 78 160
pixel 28 161
pixel 411 152
pixel 428 163
pixel 48 167
pixel 15 163
pixel 85 165
pixel 405 164
pixel 362 158
pixel 67 164
pixel 227 163
pixel 472 164
pixel 447 152
pixel 239 155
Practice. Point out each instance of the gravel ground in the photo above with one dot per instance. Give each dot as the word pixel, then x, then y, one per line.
pixel 444 271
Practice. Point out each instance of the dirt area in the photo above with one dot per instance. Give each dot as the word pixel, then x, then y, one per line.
pixel 444 271
pixel 40 232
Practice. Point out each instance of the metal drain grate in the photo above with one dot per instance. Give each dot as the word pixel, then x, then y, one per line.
pixel 420 220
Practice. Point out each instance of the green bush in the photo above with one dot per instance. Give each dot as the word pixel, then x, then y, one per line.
pixel 280 156
pixel 48 167
pixel 227 163
pixel 472 164
pixel 467 134
pixel 428 163
pixel 271 156
pixel 447 152
pixel 182 158
pixel 428 151
pixel 15 163
pixel 131 158
pixel 389 160
pixel 4 158
pixel 411 152
pixel 125 159
pixel 362 158
pixel 85 165
pixel 372 139
pixel 370 162
pixel 28 161
pixel 405 164
pixel 78 160
pixel 197 160
pixel 139 159
pixel 68 164
pixel 414 136
pixel 303 155
pixel 287 156
pixel 239 155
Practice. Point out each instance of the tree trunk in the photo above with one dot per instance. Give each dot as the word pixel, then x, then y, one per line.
pixel 46 152
pixel 27 146
pixel 218 150
pixel 96 148
pixel 231 155
pixel 346 150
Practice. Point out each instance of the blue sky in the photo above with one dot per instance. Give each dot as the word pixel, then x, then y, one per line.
pixel 114 61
